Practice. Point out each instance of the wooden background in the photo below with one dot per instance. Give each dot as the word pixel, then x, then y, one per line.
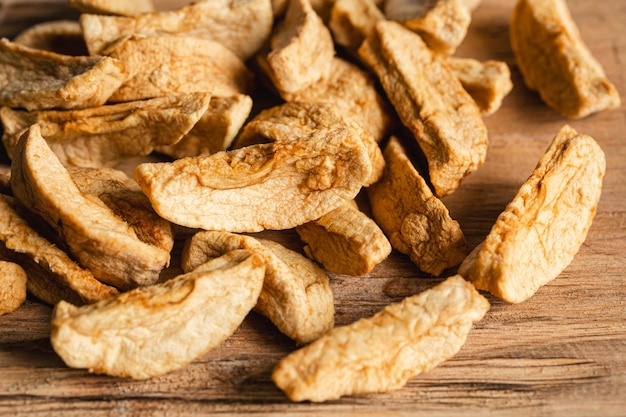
pixel 563 352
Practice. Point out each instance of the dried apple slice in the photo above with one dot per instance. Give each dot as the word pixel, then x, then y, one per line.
pixel 417 222
pixel 352 20
pixel 352 93
pixel 104 136
pixel 380 353
pixel 487 82
pixel 167 65
pixel 296 293
pixel 543 227
pixel 278 185
pixel 52 275
pixel 124 197
pixel 100 240
pixel 152 330
pixel 555 61
pixel 293 120
pixel 431 103
pixel 242 26
pixel 216 130
pixel 35 79
pixel 302 49
pixel 345 241
pixel 442 24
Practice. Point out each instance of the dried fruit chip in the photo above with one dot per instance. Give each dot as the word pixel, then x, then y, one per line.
pixel 352 20
pixel 267 186
pixel 52 275
pixel 554 60
pixel 302 49
pixel 166 65
pixel 35 79
pixel 382 352
pixel 441 23
pixel 12 287
pixel 352 93
pixel 240 25
pixel 487 82
pixel 106 135
pixel 430 101
pixel 294 120
pixel 345 241
pixel 296 293
pixel 114 7
pixel 100 240
pixel 543 227
pixel 216 130
pixel 124 197
pixel 156 329
pixel 417 222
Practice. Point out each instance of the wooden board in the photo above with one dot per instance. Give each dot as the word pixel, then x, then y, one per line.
pixel 563 352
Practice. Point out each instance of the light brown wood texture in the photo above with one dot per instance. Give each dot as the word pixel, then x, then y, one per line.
pixel 563 352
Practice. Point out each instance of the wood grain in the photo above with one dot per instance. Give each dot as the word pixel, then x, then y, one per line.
pixel 563 352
